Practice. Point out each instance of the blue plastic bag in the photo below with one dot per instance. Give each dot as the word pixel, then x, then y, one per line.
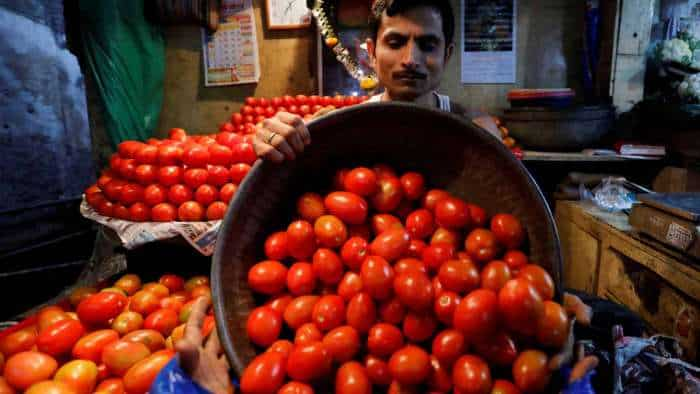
pixel 172 379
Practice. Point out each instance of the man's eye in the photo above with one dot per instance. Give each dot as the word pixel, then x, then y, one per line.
pixel 428 46
pixel 395 44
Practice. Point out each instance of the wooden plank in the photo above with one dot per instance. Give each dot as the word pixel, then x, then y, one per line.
pixel 635 27
pixel 628 81
pixel 530 155
pixel 580 252
pixel 666 310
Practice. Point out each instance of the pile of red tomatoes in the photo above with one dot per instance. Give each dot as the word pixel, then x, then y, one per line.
pixel 382 284
pixel 114 340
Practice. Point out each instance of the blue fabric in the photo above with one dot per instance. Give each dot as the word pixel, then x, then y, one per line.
pixel 581 386
pixel 172 379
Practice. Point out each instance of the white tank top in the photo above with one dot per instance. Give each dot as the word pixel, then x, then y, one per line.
pixel 443 101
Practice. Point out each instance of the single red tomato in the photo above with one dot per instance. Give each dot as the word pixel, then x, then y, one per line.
pixel 140 377
pixel 301 279
pixel 452 213
pixel 301 241
pixel 300 311
pixel 477 215
pixel 154 195
pixel 361 312
pixel 59 338
pixel 267 277
pixel 121 212
pixel 139 212
pixel 507 230
pixel 448 346
pixel 308 362
pixel 444 306
pixel 521 306
pixel 310 207
pixel 501 386
pixel 196 156
pixel 539 278
pixel 391 244
pixel 416 248
pixel 164 212
pixel 414 289
pixel 515 260
pixel 170 155
pixel 179 194
pixel 119 356
pixel 460 276
pixel 481 245
pixel 410 365
pixel 330 231
pixel 227 127
pixel 553 326
pixel 384 339
pixel 329 312
pixel 195 177
pixel 128 149
pixel 409 264
pixel 172 282
pixel 243 152
pixel 220 155
pixel 352 378
pixel 50 386
pixel 296 388
pixel 91 345
pixel 377 277
pixel 530 371
pixel 127 322
pixel 384 221
pixel 99 308
pixel 470 374
pixel 177 134
pixel 145 302
pixel 217 175
pixel 227 192
pixel 494 275
pixel 111 386
pixel 419 327
pixel 26 368
pixel 163 320
pixel 353 252
pixel 420 224
pixel 131 193
pixel 350 285
pixel 431 198
pixel 392 311
pixel 361 181
pixel 146 174
pixel 264 326
pixel 216 211
pixel 169 175
pixel 279 303
pixel 377 370
pixel 342 343
pixel 307 333
pixel 499 349
pixel 445 236
pixel 206 194
pixel 20 341
pixel 190 211
pixel 281 346
pixel 276 246
pixel 348 207
pixel 153 340
pixel 413 185
pixel 388 195
pixel 238 171
pixel 440 379
pixel 436 254
pixel 477 314
pixel 327 266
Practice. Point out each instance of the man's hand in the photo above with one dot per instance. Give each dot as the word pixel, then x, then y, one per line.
pixel 281 137
pixel 205 363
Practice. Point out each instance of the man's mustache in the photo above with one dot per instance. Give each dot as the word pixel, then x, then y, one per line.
pixel 410 74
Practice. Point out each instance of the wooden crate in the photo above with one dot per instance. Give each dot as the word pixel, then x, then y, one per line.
pixel 604 256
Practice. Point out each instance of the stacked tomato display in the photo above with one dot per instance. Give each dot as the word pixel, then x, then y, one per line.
pixel 381 284
pixel 114 340
pixel 191 178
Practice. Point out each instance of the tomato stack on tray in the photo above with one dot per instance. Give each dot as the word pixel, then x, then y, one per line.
pixel 380 285
pixel 114 340
pixel 191 177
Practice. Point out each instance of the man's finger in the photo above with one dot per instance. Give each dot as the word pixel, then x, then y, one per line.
pixel 213 345
pixel 280 143
pixel 268 152
pixel 193 328
pixel 296 142
pixel 582 367
pixel 188 355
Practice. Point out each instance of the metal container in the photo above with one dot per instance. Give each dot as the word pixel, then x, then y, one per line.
pixel 559 130
pixel 451 152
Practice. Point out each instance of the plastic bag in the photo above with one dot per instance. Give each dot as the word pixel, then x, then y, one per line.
pixel 126 57
pixel 172 379
pixel 610 195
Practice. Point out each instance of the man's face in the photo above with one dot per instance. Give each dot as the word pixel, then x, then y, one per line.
pixel 409 55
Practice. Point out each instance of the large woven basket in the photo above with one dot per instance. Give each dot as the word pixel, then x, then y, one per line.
pixel 451 152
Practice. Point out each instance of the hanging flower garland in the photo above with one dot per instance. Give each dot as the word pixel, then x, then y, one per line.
pixel 322 11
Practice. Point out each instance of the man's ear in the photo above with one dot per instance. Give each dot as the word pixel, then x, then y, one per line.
pixel 370 51
pixel 448 52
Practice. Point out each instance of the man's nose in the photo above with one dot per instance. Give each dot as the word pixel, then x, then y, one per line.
pixel 411 55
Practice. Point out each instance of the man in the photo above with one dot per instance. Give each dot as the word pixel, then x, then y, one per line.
pixel 411 43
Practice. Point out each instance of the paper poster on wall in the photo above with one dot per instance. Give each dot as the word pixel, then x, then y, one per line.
pixel 489 41
pixel 231 53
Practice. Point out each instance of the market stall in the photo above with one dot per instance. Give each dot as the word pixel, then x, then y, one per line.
pixel 372 196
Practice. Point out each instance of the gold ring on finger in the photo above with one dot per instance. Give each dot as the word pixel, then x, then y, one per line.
pixel 271 137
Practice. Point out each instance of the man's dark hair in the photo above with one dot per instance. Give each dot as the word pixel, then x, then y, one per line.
pixel 396 7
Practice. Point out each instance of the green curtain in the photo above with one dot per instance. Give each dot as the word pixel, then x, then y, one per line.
pixel 126 56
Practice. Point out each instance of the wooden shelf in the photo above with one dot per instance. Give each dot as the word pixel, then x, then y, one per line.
pixel 530 155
